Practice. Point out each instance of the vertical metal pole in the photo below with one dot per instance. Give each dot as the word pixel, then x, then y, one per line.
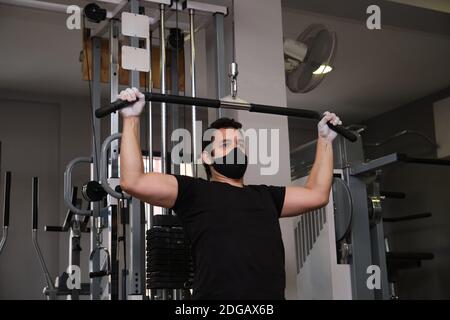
pixel 360 237
pixel 149 208
pixel 150 132
pixel 114 90
pixel 74 251
pixel 96 98
pixel 114 128
pixel 162 68
pixel 174 90
pixel 194 115
pixel 137 224
pixel 163 88
pixel 221 70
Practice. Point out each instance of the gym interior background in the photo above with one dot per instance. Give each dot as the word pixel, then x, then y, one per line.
pixel 391 85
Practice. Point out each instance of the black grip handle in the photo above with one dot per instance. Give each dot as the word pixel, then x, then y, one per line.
pixel 35 204
pixel 98 274
pixel 113 107
pixel 7 198
pixel 346 133
pixel 158 97
pixel 393 194
pixel 54 229
pixel 409 217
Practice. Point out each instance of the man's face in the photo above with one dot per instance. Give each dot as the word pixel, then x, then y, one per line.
pixel 225 140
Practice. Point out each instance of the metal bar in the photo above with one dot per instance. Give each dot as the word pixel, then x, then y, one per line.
pixel 228 103
pixel 374 164
pixel 163 88
pixel 193 88
pixel 166 2
pixel 74 251
pixel 96 99
pixel 68 186
pixel 137 272
pixel 174 90
pixel 440 162
pixel 114 91
pixel 204 7
pixel 34 215
pixel 360 239
pixel 221 71
pixel 150 131
pixel 104 168
pixel 6 207
pixel 379 258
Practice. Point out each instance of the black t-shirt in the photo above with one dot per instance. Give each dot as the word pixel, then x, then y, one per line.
pixel 236 238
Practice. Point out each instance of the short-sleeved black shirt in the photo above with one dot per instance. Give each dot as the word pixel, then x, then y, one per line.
pixel 236 238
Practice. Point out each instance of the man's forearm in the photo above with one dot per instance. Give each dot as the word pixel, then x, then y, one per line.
pixel 131 163
pixel 321 175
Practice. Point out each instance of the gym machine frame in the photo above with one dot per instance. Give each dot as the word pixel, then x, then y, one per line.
pixel 136 272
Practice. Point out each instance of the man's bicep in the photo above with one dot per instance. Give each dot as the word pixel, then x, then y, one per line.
pixel 157 189
pixel 300 200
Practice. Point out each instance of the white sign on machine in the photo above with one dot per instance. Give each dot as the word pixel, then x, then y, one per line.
pixel 134 58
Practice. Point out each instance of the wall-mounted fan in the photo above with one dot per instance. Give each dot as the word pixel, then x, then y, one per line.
pixel 309 58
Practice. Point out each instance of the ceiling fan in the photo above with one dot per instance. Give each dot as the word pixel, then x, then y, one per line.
pixel 310 58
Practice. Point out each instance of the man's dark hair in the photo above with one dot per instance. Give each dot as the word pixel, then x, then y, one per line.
pixel 221 123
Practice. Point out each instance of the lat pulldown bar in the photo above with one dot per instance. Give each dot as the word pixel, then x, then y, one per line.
pixel 226 104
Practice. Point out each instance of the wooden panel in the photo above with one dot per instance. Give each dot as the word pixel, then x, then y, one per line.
pixel 124 75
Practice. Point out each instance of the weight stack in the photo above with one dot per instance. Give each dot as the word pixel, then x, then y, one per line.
pixel 168 255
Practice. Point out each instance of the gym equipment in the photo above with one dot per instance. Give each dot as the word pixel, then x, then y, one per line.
pixel 75 228
pixel 336 245
pixel 169 269
pixel 6 207
pixel 94 13
pixel 227 104
pixel 169 260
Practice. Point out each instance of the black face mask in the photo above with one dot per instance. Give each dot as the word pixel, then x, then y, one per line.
pixel 232 165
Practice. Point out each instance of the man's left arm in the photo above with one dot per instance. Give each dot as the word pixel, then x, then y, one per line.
pixel 315 193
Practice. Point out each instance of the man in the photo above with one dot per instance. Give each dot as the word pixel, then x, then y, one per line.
pixel 234 228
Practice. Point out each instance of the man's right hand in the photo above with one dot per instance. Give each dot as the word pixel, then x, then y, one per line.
pixel 132 94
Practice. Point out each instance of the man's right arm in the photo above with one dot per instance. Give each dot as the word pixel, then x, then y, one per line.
pixel 155 188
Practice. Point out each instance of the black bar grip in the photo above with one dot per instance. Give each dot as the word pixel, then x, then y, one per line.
pixel 290 112
pixel 54 229
pixel 113 107
pixel 35 204
pixel 6 198
pixel 158 97
pixel 98 274
pixel 393 194
pixel 409 217
pixel 346 133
